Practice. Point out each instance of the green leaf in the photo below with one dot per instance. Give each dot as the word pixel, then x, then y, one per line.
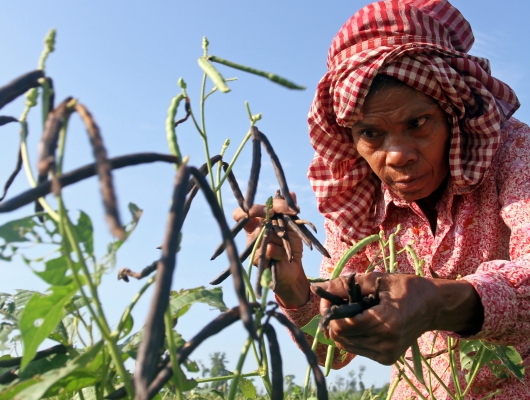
pixel 247 388
pixel 127 327
pixel 55 272
pixel 43 365
pixel 180 302
pixel 16 231
pixel 85 232
pixel 510 358
pixel 311 329
pixel 191 366
pixel 40 316
pixel 74 376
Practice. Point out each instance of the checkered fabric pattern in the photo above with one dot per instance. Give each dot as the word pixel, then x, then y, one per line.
pixel 423 43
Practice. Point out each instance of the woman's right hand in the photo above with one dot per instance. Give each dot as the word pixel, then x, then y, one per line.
pixel 292 286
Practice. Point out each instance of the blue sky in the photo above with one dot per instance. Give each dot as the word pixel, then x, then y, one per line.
pixel 123 59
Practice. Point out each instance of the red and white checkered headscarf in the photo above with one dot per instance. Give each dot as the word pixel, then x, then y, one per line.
pixel 423 43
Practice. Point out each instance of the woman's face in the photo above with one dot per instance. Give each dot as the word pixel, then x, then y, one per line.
pixel 403 134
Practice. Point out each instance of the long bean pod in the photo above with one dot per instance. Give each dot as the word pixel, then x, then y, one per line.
pixel 279 171
pixel 149 350
pixel 213 74
pixel 231 251
pixel 262 263
pixel 234 231
pixel 104 172
pixel 242 257
pixel 19 86
pixel 5 119
pixel 82 173
pixel 270 76
pixel 217 325
pixel 254 170
pixel 313 240
pixel 276 362
pixel 300 339
pixel 235 187
pixel 49 139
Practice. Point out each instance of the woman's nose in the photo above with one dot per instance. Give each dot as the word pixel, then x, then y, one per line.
pixel 400 151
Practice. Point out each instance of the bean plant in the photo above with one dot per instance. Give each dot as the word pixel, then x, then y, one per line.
pixel 91 354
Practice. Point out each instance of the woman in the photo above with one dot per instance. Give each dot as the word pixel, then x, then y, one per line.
pixel 409 129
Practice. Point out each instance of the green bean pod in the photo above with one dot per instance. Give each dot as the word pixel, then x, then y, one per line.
pixel 213 74
pixel 171 135
pixel 268 75
pixel 351 252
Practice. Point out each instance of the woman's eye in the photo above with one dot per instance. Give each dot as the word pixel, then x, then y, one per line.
pixel 417 122
pixel 367 134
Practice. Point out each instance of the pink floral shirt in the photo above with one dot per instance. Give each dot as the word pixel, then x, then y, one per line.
pixel 482 236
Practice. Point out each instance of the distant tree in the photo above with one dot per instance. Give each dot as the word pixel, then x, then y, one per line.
pixel 217 368
pixel 351 383
pixel 362 368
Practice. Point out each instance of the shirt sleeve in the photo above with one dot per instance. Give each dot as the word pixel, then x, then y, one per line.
pixel 303 315
pixel 504 286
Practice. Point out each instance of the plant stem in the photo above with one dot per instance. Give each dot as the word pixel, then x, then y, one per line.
pixel 234 158
pixel 440 381
pixel 27 166
pixel 128 310
pixel 477 365
pixel 392 388
pixel 99 319
pixel 308 372
pixel 177 372
pixel 452 363
pixel 239 367
pixel 406 378
pixel 203 133
pixel 226 377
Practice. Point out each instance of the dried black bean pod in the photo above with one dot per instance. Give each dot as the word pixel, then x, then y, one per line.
pixel 104 172
pixel 9 376
pixel 4 119
pixel 326 295
pixel 84 172
pixel 242 257
pixel 13 175
pixel 254 170
pixel 306 222
pixel 213 328
pixel 204 169
pixel 49 139
pixel 124 273
pixel 314 240
pixel 234 231
pixel 235 188
pixel 296 228
pixel 276 363
pixel 15 361
pixel 299 337
pixel 354 290
pixel 231 251
pixel 148 352
pixel 262 263
pixel 377 289
pixel 19 86
pixel 279 171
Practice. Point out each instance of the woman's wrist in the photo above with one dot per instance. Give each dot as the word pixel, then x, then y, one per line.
pixel 293 294
pixel 457 307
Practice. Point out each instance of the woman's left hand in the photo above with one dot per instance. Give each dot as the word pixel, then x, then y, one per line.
pixel 409 306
